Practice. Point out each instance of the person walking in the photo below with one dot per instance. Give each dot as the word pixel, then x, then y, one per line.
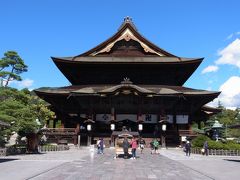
pixel 125 147
pixel 205 147
pixel 98 146
pixel 188 148
pixel 134 147
pixel 141 144
pixel 155 144
pixel 101 145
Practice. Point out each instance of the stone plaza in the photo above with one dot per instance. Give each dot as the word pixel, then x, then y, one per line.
pixel 85 163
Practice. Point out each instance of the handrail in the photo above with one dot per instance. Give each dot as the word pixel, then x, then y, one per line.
pixel 186 132
pixel 61 131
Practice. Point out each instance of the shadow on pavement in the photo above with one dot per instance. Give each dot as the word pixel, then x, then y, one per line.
pixel 6 160
pixel 233 160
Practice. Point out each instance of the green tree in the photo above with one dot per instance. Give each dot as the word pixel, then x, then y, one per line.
pixel 11 66
pixel 21 109
pixel 227 117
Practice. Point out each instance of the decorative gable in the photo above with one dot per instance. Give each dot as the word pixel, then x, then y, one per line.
pixel 127 35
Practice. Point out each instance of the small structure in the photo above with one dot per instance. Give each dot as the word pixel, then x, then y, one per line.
pixel 119 136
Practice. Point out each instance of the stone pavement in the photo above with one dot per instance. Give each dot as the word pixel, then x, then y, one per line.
pixel 85 164
pixel 217 167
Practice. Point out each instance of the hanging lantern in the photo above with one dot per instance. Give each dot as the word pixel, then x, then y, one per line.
pixel 112 126
pixel 140 126
pixel 164 127
pixel 89 127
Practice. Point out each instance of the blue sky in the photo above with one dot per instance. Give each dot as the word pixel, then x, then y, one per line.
pixel 201 28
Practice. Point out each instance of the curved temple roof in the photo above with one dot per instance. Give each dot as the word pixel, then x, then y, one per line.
pixel 127 47
pixel 156 90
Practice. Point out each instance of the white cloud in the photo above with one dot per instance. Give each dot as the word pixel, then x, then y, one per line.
pixel 211 68
pixel 230 93
pixel 26 83
pixel 230 54
pixel 230 36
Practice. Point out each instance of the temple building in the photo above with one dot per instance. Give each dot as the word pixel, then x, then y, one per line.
pixel 127 82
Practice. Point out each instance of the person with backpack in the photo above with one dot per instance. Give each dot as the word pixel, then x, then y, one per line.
pixel 155 145
pixel 141 144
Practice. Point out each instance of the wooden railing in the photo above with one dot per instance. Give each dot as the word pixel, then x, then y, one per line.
pixel 187 133
pixel 59 131
pixel 218 152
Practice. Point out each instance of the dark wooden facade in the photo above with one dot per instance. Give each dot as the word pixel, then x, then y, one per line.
pixel 126 79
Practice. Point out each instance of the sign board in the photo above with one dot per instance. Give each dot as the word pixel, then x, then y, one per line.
pixel 183 138
pixel 182 119
pixel 149 118
pixel 103 117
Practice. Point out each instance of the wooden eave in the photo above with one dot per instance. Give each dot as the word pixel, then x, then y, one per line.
pixel 211 110
pixel 109 89
pixel 128 60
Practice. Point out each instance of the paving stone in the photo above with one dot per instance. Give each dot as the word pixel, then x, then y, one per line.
pixel 84 164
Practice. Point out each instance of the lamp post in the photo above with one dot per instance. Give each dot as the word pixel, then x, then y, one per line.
pixel 163 134
pixel 112 127
pixel 140 124
pixel 216 126
pixel 89 123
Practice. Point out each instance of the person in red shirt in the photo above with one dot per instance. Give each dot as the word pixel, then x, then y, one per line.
pixel 134 147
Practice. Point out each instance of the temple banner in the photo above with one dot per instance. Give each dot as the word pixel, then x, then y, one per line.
pixel 103 117
pixel 182 119
pixel 131 117
pixel 149 118
pixel 170 119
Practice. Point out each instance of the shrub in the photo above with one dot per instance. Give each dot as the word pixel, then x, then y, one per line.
pixel 199 141
pixel 231 145
pixel 215 145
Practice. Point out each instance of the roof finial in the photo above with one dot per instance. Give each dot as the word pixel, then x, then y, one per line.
pixel 126 80
pixel 127 19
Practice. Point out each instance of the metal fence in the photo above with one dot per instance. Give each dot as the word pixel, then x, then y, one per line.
pixel 218 152
pixel 46 148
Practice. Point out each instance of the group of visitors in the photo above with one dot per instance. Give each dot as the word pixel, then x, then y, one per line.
pixel 134 146
pixel 154 144
pixel 187 148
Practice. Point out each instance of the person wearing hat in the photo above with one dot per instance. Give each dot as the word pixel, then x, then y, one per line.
pixel 188 148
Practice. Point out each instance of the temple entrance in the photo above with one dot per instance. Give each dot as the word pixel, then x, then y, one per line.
pixel 83 139
pixel 126 125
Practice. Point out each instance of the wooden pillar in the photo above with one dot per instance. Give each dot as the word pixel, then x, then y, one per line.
pixel 75 141
pixel 54 123
pixel 77 128
pixel 62 124
pixel 47 123
pixel 112 114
